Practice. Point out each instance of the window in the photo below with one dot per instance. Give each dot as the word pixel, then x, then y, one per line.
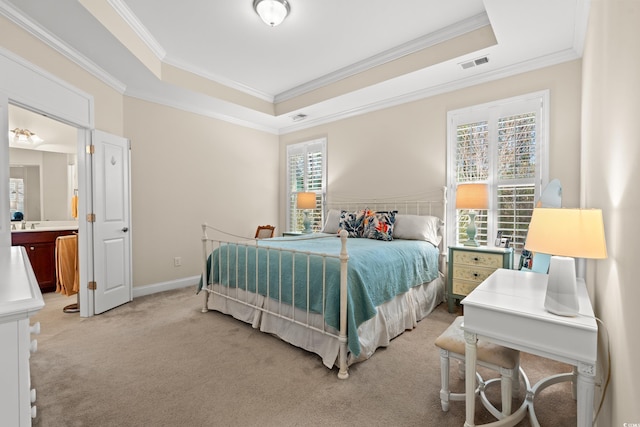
pixel 502 144
pixel 306 172
pixel 16 195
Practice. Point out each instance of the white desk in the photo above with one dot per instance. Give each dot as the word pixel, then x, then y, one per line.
pixel 508 309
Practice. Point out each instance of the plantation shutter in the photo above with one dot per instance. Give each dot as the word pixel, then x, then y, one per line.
pixel 516 180
pixel 472 165
pixel 306 172
pixel 16 196
pixel 500 144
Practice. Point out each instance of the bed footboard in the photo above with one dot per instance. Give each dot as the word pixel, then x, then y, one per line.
pixel 272 281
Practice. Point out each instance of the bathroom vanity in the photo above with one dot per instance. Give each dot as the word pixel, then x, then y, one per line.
pixel 40 245
pixel 20 298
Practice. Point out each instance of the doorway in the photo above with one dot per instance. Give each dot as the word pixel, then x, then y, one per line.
pixel 26 86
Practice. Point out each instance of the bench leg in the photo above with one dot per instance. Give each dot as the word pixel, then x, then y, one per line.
pixel 444 380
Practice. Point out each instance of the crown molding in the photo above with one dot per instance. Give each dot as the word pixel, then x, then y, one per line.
pixel 147 38
pixel 141 31
pixel 432 39
pixel 206 112
pixel 485 77
pixel 221 80
pixel 27 24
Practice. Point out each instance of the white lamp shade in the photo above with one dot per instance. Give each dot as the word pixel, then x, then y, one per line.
pixel 306 201
pixel 472 196
pixel 577 233
pixel 564 234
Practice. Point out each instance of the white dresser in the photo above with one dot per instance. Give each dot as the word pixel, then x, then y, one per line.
pixel 20 298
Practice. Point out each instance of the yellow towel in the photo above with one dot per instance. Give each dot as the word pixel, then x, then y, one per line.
pixel 68 278
pixel 74 206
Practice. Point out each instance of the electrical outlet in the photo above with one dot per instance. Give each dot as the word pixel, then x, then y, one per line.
pixel 177 261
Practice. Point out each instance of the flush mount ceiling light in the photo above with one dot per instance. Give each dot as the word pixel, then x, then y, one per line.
pixel 24 135
pixel 272 12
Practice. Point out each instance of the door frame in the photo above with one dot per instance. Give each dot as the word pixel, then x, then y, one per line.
pixel 33 88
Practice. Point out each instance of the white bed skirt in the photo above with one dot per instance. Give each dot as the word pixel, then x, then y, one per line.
pixel 393 318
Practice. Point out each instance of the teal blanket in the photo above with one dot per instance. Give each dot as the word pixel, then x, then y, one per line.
pixel 377 272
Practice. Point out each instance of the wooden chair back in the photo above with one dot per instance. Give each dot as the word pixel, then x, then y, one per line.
pixel 265 231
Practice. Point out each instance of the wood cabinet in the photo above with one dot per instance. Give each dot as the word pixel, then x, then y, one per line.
pixel 469 266
pixel 41 249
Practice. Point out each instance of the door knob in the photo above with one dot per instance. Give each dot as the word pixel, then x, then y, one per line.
pixel 125 229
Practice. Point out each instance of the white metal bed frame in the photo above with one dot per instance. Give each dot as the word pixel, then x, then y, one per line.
pixel 263 304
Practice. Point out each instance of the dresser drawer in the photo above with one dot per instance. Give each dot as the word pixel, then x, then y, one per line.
pixel 478 259
pixel 471 273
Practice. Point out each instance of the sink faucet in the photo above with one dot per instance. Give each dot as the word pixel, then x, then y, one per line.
pixel 24 224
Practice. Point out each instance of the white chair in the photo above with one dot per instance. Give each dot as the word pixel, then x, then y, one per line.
pixel 504 360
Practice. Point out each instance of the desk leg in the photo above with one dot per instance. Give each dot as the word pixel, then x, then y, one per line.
pixel 470 357
pixel 585 394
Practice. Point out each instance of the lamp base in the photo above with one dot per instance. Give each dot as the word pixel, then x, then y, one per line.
pixel 562 290
pixel 471 230
pixel 306 222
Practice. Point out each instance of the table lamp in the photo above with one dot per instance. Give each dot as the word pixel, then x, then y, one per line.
pixel 472 196
pixel 565 234
pixel 306 201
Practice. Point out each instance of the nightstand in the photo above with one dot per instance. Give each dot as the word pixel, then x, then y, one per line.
pixel 470 265
pixel 291 234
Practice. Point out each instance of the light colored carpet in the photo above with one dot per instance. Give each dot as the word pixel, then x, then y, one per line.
pixel 159 361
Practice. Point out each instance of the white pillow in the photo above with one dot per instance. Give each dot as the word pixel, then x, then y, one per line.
pixel 417 227
pixel 332 224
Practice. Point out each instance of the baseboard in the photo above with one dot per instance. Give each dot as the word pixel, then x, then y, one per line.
pixel 140 291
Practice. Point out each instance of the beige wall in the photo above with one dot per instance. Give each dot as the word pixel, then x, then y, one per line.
pixel 610 177
pixel 188 169
pixel 402 150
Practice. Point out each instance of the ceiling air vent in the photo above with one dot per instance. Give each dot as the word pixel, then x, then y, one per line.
pixel 299 117
pixel 474 62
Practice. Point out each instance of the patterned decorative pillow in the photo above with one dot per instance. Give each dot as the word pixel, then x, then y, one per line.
pixel 353 222
pixel 379 225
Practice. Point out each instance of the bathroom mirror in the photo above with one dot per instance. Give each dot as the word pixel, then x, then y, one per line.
pixel 43 171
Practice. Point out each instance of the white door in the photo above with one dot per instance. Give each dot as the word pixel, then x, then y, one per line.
pixel 5 220
pixel 111 235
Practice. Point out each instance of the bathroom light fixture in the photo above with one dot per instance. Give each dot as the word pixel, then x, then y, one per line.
pixel 24 135
pixel 565 234
pixel 471 197
pixel 272 12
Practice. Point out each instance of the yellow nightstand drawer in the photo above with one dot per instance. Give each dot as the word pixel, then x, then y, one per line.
pixel 471 273
pixel 463 288
pixel 478 258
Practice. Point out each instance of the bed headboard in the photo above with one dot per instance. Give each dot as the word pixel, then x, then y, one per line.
pixel 433 203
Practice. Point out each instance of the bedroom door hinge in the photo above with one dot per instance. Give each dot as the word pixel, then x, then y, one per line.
pixel 91 217
pixel 92 285
pixel 91 149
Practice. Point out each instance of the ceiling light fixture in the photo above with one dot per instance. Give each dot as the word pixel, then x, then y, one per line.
pixel 272 12
pixel 24 135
